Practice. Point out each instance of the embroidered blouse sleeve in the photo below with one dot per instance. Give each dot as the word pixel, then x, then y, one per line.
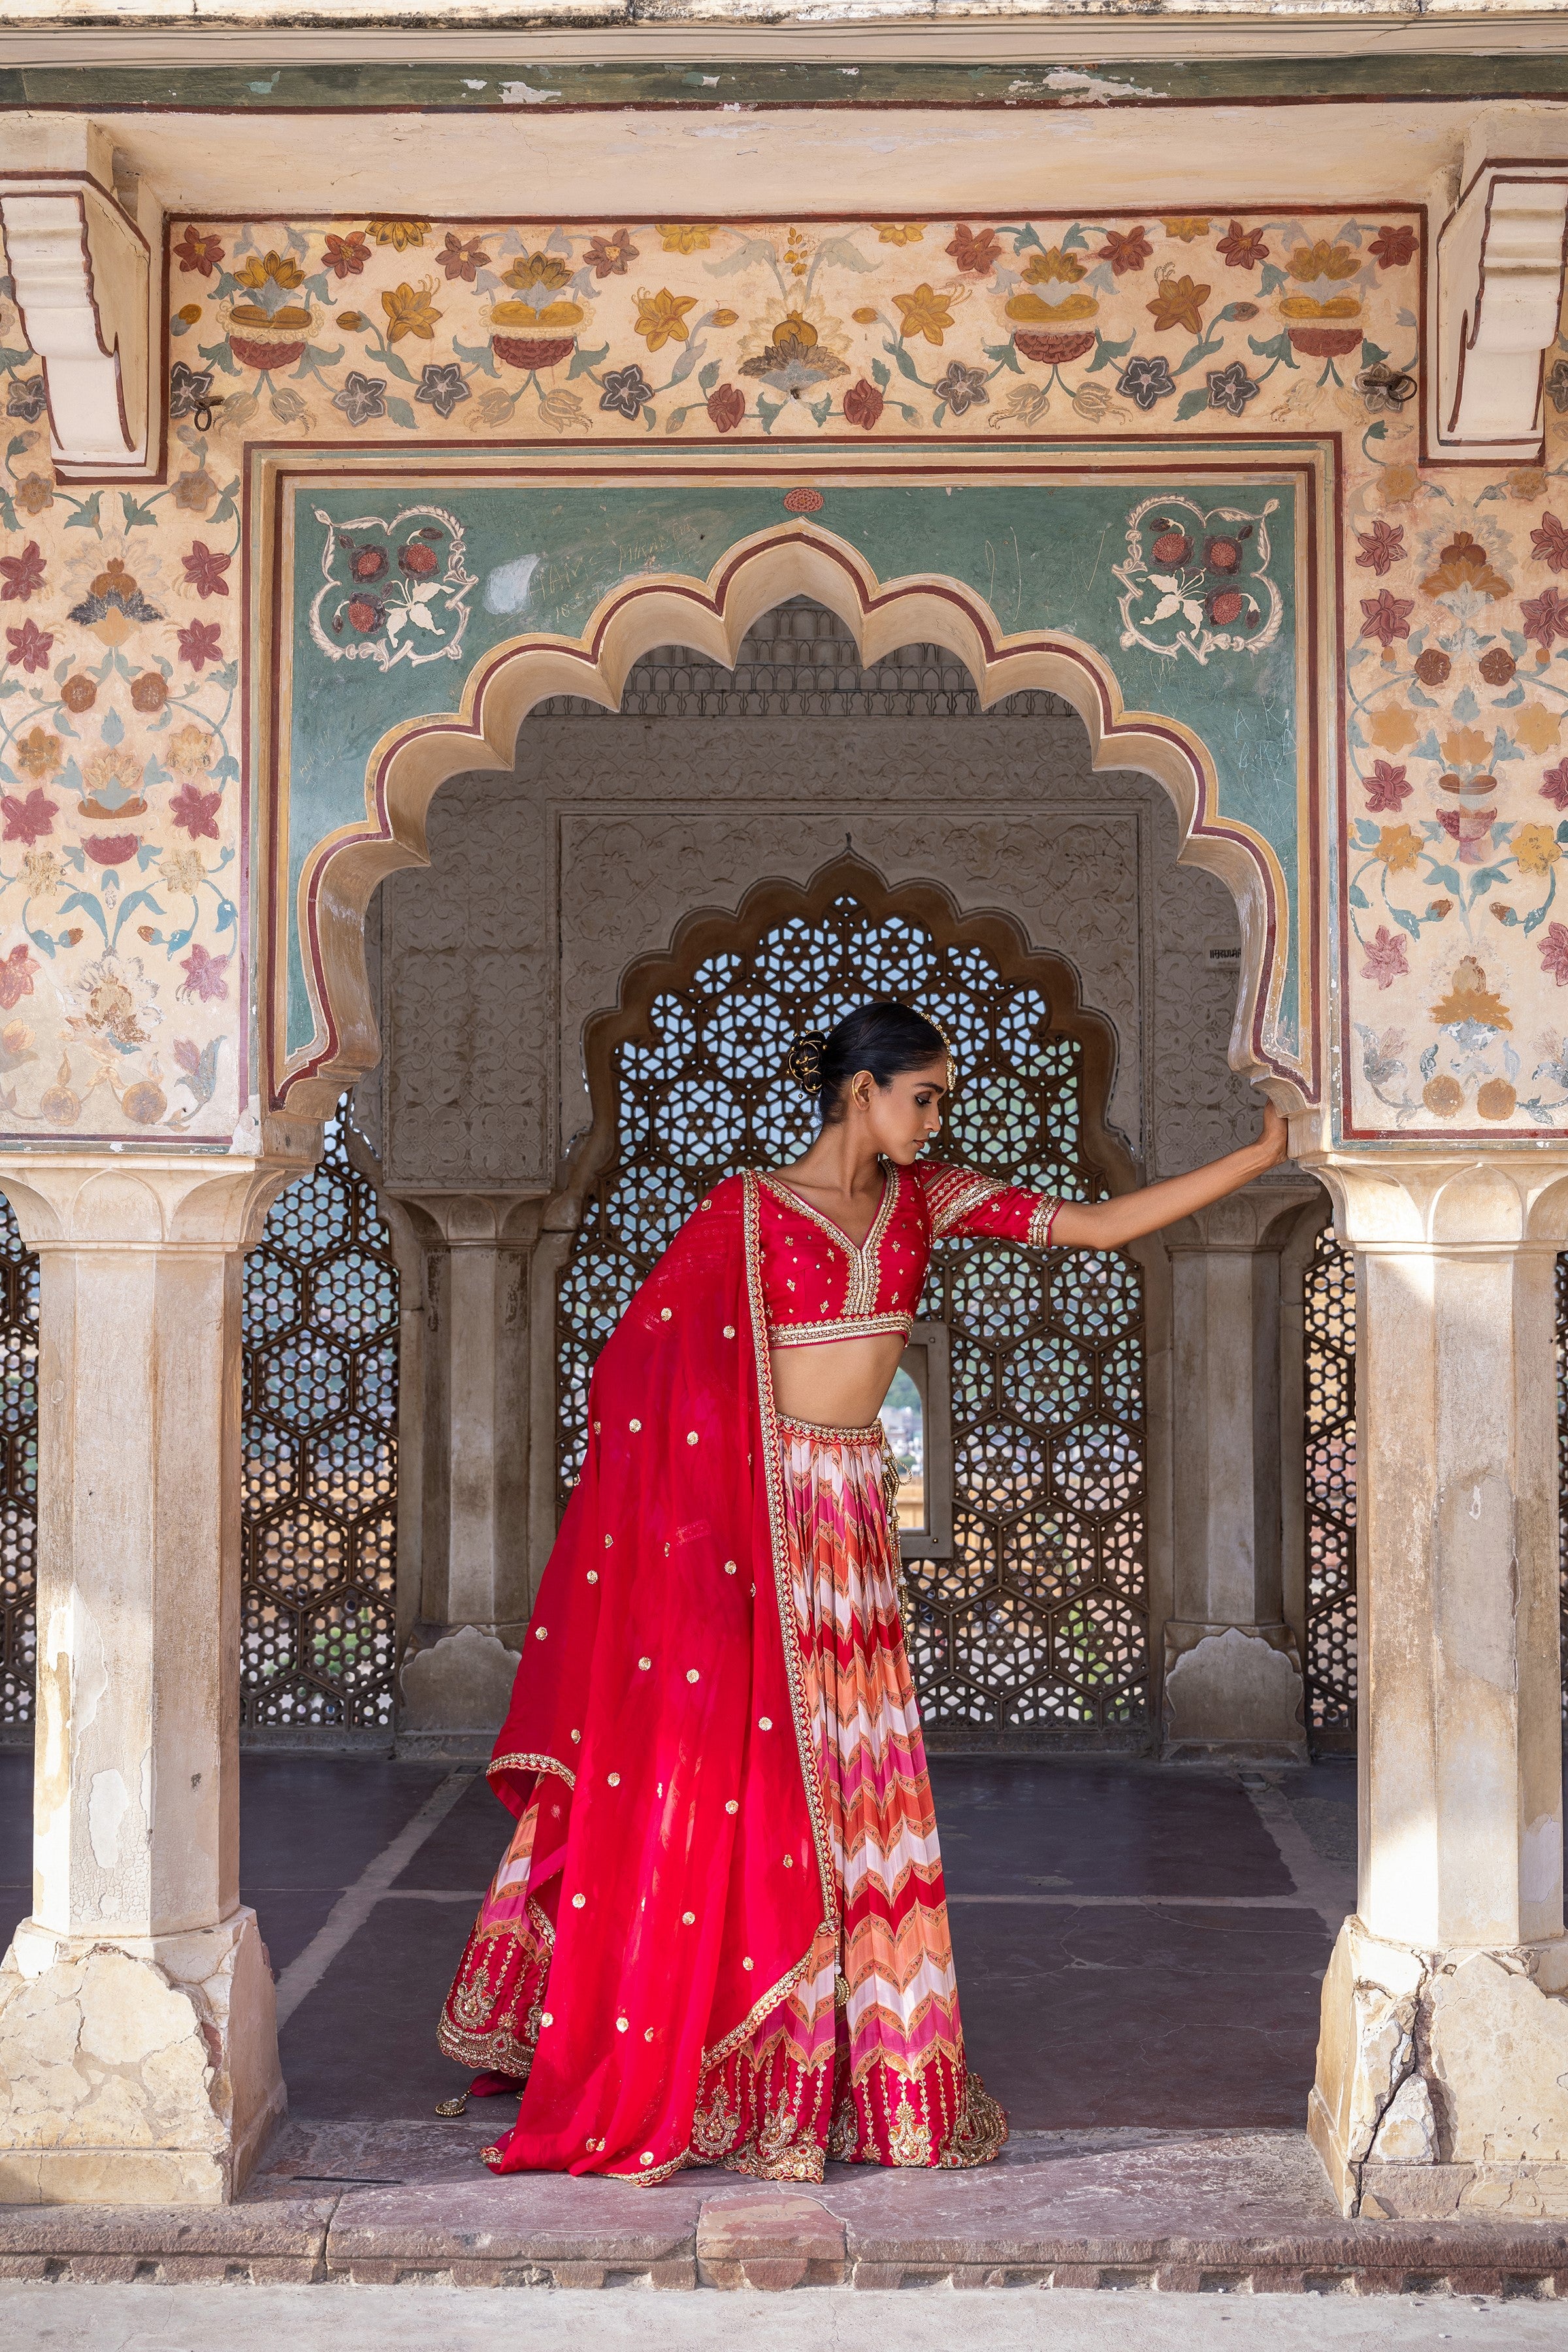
pixel 961 1200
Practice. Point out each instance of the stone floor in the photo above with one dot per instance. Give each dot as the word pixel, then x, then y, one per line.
pixel 1139 1951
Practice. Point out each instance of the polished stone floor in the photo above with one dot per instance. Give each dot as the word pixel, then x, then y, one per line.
pixel 1138 1946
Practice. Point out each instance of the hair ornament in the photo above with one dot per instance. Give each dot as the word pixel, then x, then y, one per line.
pixel 803 1064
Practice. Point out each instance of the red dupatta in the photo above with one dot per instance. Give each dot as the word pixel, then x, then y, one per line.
pixel 681 1853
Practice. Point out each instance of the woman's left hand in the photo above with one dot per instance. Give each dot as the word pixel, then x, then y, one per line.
pixel 1274 1143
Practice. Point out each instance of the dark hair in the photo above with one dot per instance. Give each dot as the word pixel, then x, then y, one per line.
pixel 882 1038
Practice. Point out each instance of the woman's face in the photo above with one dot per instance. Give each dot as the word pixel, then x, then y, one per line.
pixel 903 1115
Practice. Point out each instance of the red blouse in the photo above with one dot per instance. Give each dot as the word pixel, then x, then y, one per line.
pixel 817 1285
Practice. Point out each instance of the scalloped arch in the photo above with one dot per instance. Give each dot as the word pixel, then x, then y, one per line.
pixel 413 760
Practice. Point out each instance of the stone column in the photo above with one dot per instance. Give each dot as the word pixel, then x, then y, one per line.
pixel 138 2041
pixel 474 1596
pixel 1232 1669
pixel 1442 2079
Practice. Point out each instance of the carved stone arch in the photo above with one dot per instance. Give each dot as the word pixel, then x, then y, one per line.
pixel 413 759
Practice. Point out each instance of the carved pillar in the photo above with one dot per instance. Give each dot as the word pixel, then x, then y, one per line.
pixel 475 1595
pixel 138 2046
pixel 1232 1673
pixel 1442 2081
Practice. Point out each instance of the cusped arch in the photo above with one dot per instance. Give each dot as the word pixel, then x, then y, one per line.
pixel 413 759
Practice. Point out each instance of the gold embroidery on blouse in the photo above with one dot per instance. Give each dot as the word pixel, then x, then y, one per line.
pixel 1042 1219
pixel 865 1276
pixel 843 1326
pixel 952 1195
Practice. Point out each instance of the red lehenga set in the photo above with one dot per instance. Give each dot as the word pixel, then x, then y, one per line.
pixel 719 1935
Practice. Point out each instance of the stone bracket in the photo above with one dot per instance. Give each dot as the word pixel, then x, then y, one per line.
pixel 1500 262
pixel 86 271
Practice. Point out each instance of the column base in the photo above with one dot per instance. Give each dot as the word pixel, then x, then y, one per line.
pixel 1442 2084
pixel 1233 1692
pixel 139 2070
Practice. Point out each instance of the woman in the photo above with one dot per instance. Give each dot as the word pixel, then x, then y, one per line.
pixel 718 1934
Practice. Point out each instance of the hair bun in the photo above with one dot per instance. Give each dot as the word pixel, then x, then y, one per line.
pixel 803 1063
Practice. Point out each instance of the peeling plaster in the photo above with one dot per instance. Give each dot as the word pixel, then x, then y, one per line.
pixel 106 1809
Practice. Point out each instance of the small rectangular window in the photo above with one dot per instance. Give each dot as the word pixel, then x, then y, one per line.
pixel 916 1418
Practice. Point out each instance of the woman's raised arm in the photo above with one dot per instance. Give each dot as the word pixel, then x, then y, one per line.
pixel 1108 1224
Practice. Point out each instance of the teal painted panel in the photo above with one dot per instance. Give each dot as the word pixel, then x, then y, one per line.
pixel 1211 577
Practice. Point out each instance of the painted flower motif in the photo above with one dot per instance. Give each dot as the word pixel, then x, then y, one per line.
pixel 1384 389
pixel 1551 543
pixel 195 492
pixel 442 386
pixel 1125 250
pixel 1179 303
pixel 38 754
pixel 1557 389
pixel 197 256
pixel 796 359
pixel 901 232
pixel 28 398
pixel 683 236
pixel 264 269
pixel 1384 957
pixel 149 692
pixel 462 257
pixel 961 387
pixel 17 971
pixel 974 251
pixel 626 391
pixel 1465 563
pixel 410 311
pixel 114 782
pixel 661 317
pixel 30 645
pixel 1386 617
pixel 204 567
pixel 30 819
pixel 345 257
pixel 43 872
pixel 34 494
pixel 1380 547
pixel 1554 953
pixel 1043 268
pixel 530 269
pixel 1387 787
pixel 726 406
pixel 1554 785
pixel 1536 849
pixel 1537 728
pixel 1393 728
pixel 1243 247
pixel 1231 388
pixel 1397 847
pixel 21 576
pixel 1185 226
pixel 1323 259
pixel 205 976
pixel 1392 247
pixel 1469 999
pixel 362 397
pixel 1545 617
pixel 863 404
pixel 924 312
pixel 1399 485
pixel 191 751
pixel 195 812
pixel 182 869
pixel 1498 667
pixel 189 389
pixel 200 643
pixel 399 234
pixel 1433 665
pixel 1145 381
pixel 78 693
pixel 607 256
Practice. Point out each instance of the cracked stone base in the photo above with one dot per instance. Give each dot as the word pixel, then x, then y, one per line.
pixel 1442 2085
pixel 136 2072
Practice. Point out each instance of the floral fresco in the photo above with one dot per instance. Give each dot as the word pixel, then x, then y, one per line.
pixel 124 1000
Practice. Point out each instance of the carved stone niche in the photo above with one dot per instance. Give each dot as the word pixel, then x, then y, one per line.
pixel 1501 260
pixel 84 249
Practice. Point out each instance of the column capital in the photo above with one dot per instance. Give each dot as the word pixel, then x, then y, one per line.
pixel 112 1201
pixel 1447 1199
pixel 1259 1217
pixel 474 1220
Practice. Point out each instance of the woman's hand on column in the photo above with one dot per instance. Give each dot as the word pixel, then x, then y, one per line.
pixel 1109 1224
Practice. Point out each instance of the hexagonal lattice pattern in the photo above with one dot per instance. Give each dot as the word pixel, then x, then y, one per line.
pixel 319 1521
pixel 18 1469
pixel 1047 1347
pixel 1330 1345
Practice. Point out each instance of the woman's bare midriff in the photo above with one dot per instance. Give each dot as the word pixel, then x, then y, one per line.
pixel 843 1382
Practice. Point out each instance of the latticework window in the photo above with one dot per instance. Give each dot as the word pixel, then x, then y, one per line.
pixel 799 661
pixel 318 1512
pixel 1038 1623
pixel 18 1469
pixel 1329 1320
